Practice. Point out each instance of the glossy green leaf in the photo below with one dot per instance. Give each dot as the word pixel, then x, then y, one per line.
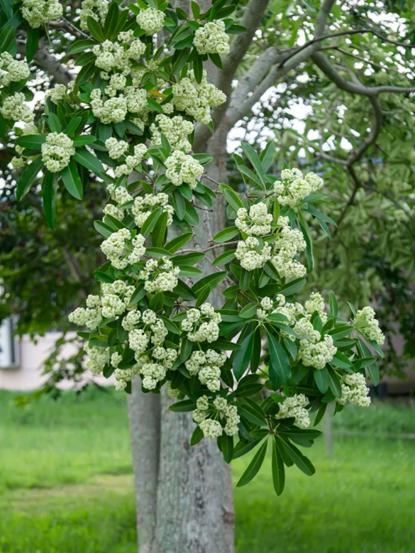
pixel 278 470
pixel 279 362
pixel 253 466
pixel 27 178
pixel 72 181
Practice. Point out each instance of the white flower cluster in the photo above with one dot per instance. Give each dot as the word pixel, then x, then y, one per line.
pixel 175 129
pixel 269 306
pixel 117 56
pixel 122 249
pixel 256 222
pixel 211 38
pixel 12 70
pixel 295 407
pixel 183 168
pixel 144 205
pixel 151 20
pixel 97 9
pixel 119 194
pixel 315 304
pixel 118 148
pixel 197 99
pixel 14 107
pixel 153 360
pixel 202 325
pixel 118 60
pixel 289 243
pixel 252 253
pixel 60 91
pixel 207 366
pixel 294 186
pixel 96 358
pixel 113 302
pixel 365 322
pixel 315 349
pixel 159 275
pixel 57 151
pixel 355 390
pixel 40 12
pixel 114 109
pixel 226 418
pixel 121 197
pixel 317 354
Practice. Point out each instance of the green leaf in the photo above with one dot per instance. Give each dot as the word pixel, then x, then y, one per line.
pixel 372 372
pixel 197 436
pixel 54 123
pixel 334 308
pixel 243 355
pixel 279 362
pixel 231 196
pixel 255 161
pixel 278 471
pixel 6 6
pixel 197 67
pixel 195 9
pixel 151 221
pixel 293 287
pixel 73 125
pixel 334 383
pixel 103 229
pixel 225 444
pixel 89 161
pixel 178 242
pixel 224 257
pixel 48 198
pixel 84 139
pixel 72 181
pixel 253 466
pixel 160 231
pixel 248 311
pixel 321 378
pixel 31 141
pixel 79 46
pixel 297 457
pixel 268 155
pixel 95 29
pixel 183 406
pixel 27 178
pixel 244 447
pixel 179 205
pixel 210 281
pixel 226 234
pixel 32 43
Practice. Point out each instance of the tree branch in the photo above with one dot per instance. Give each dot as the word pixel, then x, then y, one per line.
pixel 319 39
pixel 242 102
pixel 52 66
pixel 327 68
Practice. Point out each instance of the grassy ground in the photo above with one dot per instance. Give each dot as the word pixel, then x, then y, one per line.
pixel 66 485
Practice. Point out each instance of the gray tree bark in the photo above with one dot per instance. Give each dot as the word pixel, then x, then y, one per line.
pixel 183 493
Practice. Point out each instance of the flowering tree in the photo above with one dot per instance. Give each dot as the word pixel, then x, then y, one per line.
pixel 199 277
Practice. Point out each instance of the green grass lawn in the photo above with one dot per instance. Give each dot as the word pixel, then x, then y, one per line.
pixel 66 484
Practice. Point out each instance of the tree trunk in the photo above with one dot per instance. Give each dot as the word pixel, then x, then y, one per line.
pixel 183 493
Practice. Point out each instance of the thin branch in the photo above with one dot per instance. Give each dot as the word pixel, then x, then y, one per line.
pixel 327 68
pixel 322 38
